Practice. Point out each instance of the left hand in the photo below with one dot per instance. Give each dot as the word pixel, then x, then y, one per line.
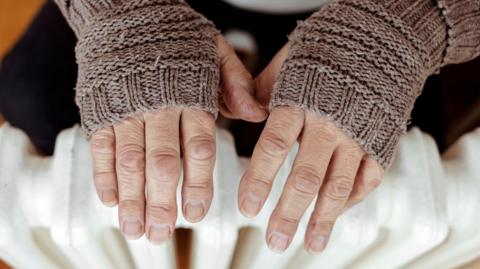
pixel 136 161
pixel 329 164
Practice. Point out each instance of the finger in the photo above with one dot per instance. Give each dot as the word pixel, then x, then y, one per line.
pixel 265 81
pixel 317 145
pixel 163 170
pixel 130 165
pixel 370 175
pixel 237 87
pixel 333 195
pixel 198 144
pixel 103 154
pixel 281 131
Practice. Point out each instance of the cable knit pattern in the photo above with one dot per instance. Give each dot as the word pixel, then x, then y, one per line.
pixel 363 63
pixel 139 55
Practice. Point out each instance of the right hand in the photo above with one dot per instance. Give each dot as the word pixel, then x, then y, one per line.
pixel 136 162
pixel 330 168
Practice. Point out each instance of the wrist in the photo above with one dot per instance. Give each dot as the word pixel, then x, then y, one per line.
pixel 140 55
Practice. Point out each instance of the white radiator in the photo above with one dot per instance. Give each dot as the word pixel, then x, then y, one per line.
pixel 424 215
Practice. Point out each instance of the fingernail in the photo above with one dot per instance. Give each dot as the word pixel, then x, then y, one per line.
pixel 278 242
pixel 159 233
pixel 194 211
pixel 316 244
pixel 251 205
pixel 109 197
pixel 131 227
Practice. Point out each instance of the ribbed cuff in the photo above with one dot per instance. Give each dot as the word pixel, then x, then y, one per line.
pixel 463 20
pixel 134 94
pixel 136 56
pixel 362 64
pixel 355 109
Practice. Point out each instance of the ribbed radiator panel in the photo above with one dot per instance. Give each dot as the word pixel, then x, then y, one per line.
pixel 424 215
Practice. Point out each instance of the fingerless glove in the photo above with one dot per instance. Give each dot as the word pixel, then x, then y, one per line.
pixel 139 55
pixel 362 63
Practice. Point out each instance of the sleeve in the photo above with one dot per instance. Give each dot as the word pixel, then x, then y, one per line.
pixel 139 55
pixel 363 63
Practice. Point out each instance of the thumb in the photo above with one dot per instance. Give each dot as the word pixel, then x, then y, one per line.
pixel 265 81
pixel 238 92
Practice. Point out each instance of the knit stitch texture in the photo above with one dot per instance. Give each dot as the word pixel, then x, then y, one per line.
pixel 363 63
pixel 139 55
pixel 360 63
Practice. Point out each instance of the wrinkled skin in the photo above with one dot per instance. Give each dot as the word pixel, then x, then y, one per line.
pixel 142 155
pixel 137 163
pixel 329 166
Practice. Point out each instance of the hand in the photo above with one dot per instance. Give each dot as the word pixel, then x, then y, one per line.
pixel 329 164
pixel 136 162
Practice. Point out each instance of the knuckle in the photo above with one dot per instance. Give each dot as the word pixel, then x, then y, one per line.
pixel 227 57
pixel 321 225
pixel 159 209
pixel 160 117
pixel 258 183
pixel 102 143
pixel 131 204
pixel 204 120
pixel 327 135
pixel 131 159
pixel 306 180
pixel 290 113
pixel 164 163
pixel 355 198
pixel 332 210
pixel 287 220
pixel 135 123
pixel 372 183
pixel 104 165
pixel 131 186
pixel 131 190
pixel 104 178
pixel 245 106
pixel 273 144
pixel 202 147
pixel 348 146
pixel 202 188
pixel 339 187
pixel 353 151
pixel 231 61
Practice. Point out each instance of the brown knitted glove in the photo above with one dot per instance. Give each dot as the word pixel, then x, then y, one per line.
pixel 138 55
pixel 362 63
